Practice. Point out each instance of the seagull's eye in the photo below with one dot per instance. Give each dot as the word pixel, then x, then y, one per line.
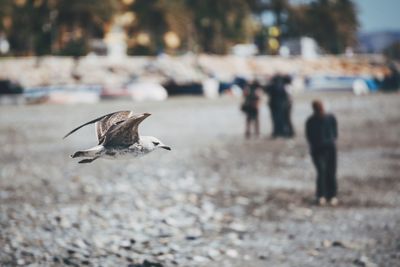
pixel 156 143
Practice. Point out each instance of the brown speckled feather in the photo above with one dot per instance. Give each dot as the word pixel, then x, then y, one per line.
pixel 93 121
pixel 105 122
pixel 124 133
pixel 109 122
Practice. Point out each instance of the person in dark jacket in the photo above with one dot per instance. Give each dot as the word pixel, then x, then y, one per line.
pixel 321 133
pixel 289 129
pixel 280 106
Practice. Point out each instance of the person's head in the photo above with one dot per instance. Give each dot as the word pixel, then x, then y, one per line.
pixel 287 79
pixel 254 85
pixel 318 107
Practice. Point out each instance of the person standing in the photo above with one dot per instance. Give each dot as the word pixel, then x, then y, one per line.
pixel 321 134
pixel 288 129
pixel 280 106
pixel 250 107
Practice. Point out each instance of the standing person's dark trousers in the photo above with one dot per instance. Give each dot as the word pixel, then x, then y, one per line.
pixel 277 119
pixel 324 159
pixel 278 114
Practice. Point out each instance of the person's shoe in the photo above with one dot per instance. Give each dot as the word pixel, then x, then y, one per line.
pixel 322 201
pixel 334 201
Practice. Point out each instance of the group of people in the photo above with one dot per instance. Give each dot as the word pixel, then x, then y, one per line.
pixel 280 105
pixel 320 131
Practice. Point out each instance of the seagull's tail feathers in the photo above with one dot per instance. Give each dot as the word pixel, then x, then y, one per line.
pixel 88 160
pixel 79 154
pixel 90 122
pixel 91 152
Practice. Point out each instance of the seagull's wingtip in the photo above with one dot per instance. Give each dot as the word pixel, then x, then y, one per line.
pixel 65 136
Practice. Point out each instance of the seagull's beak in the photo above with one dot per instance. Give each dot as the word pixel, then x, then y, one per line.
pixel 143 116
pixel 166 147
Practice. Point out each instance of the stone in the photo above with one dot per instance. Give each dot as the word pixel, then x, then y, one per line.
pixel 327 243
pixel 200 259
pixel 364 261
pixel 313 253
pixel 232 253
pixel 213 253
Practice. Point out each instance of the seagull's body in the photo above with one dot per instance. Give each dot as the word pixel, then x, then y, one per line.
pixel 118 137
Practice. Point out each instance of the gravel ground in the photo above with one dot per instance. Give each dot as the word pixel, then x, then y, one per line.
pixel 215 200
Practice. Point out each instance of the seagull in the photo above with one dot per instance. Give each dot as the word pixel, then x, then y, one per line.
pixel 118 137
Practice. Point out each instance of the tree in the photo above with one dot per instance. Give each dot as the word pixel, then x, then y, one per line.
pixel 220 23
pixel 36 26
pixel 78 21
pixel 332 23
pixel 5 13
pixel 212 26
pixel 393 51
pixel 65 27
pixel 150 20
pixel 347 24
pixel 180 20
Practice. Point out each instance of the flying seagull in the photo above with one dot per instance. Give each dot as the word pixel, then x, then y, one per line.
pixel 118 136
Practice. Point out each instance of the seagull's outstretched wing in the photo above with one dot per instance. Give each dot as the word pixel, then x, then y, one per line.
pixel 124 133
pixel 104 122
pixel 109 121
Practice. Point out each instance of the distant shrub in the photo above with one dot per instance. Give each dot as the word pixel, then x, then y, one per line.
pixel 393 51
pixel 74 48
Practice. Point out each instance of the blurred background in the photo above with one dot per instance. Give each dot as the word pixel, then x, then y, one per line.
pixel 217 199
pixel 195 47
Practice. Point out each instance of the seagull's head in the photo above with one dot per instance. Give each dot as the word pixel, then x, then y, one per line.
pixel 151 143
